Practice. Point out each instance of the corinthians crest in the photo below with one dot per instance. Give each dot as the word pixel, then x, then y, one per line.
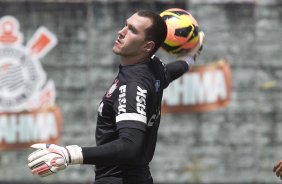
pixel 28 113
pixel 23 82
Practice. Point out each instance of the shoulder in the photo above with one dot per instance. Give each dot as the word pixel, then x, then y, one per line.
pixel 159 70
pixel 158 61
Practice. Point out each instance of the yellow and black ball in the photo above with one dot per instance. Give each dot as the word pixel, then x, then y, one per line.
pixel 182 30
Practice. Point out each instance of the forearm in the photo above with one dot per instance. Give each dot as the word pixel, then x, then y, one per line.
pixel 177 68
pixel 126 149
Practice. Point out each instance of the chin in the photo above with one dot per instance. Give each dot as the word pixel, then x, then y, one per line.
pixel 116 51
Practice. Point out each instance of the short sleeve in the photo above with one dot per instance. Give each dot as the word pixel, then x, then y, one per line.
pixel 131 106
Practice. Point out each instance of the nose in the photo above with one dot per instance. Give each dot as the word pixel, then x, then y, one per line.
pixel 122 32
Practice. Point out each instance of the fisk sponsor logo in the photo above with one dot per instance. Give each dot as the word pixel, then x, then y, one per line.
pixel 141 101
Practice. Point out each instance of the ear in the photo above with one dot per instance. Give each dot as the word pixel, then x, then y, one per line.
pixel 149 46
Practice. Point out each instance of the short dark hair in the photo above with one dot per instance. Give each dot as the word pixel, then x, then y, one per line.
pixel 157 31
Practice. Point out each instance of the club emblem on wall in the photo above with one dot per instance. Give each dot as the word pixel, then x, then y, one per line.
pixel 28 112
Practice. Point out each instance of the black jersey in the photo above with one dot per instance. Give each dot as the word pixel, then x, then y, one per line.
pixel 132 101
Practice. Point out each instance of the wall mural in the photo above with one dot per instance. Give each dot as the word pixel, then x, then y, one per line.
pixel 28 112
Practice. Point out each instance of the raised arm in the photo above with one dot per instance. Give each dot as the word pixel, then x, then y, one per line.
pixel 184 61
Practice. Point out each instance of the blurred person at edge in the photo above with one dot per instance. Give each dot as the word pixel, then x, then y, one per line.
pixel 277 169
pixel 129 113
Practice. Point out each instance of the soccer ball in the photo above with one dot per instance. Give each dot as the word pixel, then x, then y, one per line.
pixel 182 31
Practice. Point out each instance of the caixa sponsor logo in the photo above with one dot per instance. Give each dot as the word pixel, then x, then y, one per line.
pixel 25 91
pixel 122 99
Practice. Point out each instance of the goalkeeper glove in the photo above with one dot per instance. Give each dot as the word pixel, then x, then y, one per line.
pixel 49 158
pixel 197 50
pixel 191 55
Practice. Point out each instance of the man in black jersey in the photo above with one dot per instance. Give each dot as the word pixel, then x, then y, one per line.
pixel 129 113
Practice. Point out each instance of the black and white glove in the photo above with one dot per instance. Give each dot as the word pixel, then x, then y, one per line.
pixel 50 158
pixel 191 56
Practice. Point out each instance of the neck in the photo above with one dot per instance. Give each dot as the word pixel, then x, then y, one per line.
pixel 127 60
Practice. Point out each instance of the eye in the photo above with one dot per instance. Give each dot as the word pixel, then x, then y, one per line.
pixel 132 29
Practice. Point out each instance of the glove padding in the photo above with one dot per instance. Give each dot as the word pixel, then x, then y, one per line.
pixel 191 56
pixel 197 50
pixel 49 158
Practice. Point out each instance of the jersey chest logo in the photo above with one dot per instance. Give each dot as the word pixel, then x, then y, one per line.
pixel 157 85
pixel 112 88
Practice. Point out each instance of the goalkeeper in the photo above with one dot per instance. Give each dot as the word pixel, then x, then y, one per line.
pixel 129 113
